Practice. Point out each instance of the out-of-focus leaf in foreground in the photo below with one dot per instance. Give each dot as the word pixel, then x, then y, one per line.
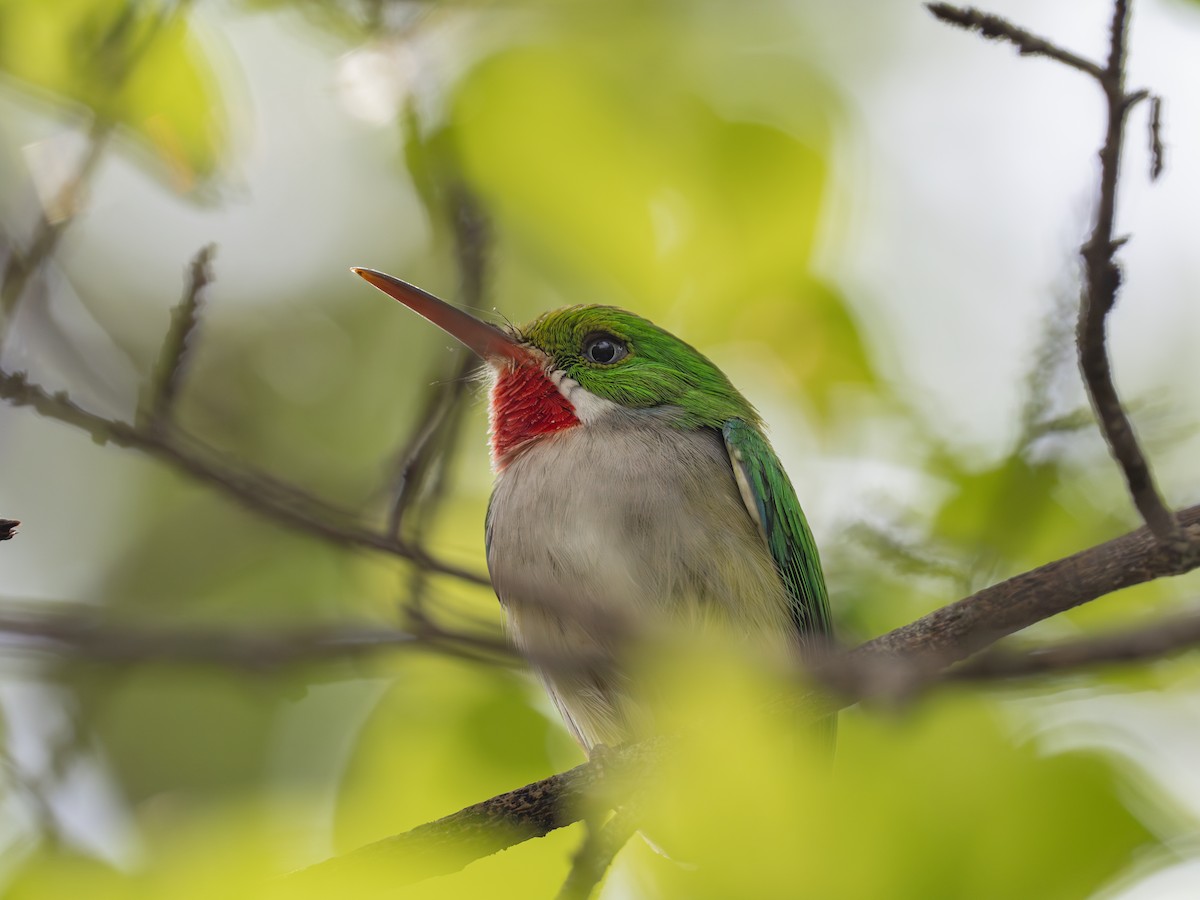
pixel 639 163
pixel 941 801
pixel 137 65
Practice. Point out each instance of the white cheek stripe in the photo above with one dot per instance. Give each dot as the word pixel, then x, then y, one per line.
pixel 588 407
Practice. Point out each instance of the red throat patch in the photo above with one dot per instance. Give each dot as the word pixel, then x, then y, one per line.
pixel 525 406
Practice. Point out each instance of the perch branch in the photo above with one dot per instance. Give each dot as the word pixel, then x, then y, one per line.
pixel 914 655
pixel 450 843
pixel 963 628
pixel 1156 640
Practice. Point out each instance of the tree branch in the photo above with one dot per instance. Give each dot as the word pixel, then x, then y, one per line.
pixel 961 629
pixel 450 843
pixel 125 49
pixel 87 636
pixel 1102 274
pixel 440 419
pixel 1157 151
pixel 174 355
pixel 252 489
pixel 594 857
pixel 921 651
pixel 1102 279
pixel 897 663
pixel 21 266
pixel 596 854
pixel 996 28
pixel 1149 642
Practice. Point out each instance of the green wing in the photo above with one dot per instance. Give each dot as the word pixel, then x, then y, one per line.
pixel 771 501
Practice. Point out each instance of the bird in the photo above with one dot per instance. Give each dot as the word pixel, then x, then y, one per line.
pixel 636 500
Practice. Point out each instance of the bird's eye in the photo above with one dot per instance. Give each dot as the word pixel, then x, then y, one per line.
pixel 604 349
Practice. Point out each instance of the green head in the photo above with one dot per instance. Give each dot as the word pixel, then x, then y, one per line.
pixel 613 354
pixel 630 361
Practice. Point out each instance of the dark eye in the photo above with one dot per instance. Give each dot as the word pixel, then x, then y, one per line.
pixel 604 349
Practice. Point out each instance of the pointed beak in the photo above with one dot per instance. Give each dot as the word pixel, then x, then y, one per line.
pixel 487 341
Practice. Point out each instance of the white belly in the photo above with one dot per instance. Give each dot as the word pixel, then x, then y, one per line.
pixel 603 537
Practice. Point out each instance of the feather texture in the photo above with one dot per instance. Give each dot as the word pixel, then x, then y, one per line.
pixel 603 540
pixel 636 499
pixel 771 500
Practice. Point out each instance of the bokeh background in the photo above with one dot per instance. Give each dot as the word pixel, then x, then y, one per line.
pixel 867 219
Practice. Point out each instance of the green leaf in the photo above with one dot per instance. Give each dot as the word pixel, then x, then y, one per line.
pixel 679 196
pixel 657 196
pixel 134 65
pixel 941 802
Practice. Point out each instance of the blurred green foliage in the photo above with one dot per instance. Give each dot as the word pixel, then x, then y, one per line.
pixel 671 157
pixel 942 802
pixel 134 65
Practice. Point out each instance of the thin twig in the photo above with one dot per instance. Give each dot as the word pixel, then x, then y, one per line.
pixel 418 455
pixel 254 490
pixel 87 636
pixel 8 528
pixel 997 29
pixel 21 266
pixel 123 49
pixel 173 357
pixel 904 554
pixel 1154 641
pixel 596 854
pixel 963 628
pixel 1102 279
pixel 1102 275
pixel 429 458
pixel 450 843
pixel 440 419
pixel 1157 150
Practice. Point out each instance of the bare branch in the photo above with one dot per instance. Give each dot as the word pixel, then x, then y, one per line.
pixel 1154 641
pixel 1157 151
pixel 961 629
pixel 8 528
pixel 1102 275
pixel 416 456
pixel 442 415
pixel 21 266
pixel 88 636
pixel 1102 279
pixel 173 357
pixel 254 490
pixel 596 854
pixel 997 29
pixel 124 49
pixel 450 843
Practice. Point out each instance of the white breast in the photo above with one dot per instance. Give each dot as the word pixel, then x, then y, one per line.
pixel 625 529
